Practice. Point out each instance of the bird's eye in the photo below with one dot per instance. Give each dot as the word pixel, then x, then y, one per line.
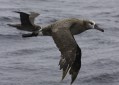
pixel 91 23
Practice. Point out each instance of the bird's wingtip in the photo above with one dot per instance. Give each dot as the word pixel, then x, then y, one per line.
pixel 73 77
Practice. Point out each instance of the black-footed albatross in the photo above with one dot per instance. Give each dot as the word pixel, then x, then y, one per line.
pixel 27 23
pixel 62 33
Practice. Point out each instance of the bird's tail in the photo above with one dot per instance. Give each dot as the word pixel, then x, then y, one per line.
pixel 74 68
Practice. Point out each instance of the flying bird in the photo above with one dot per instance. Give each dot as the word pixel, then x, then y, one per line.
pixel 62 33
pixel 27 23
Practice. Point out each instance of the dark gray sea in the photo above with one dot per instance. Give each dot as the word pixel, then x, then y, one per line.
pixel 34 61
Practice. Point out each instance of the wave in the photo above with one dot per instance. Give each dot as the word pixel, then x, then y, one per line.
pixel 9 36
pixel 27 51
pixel 105 63
pixel 7 19
pixel 103 78
pixel 104 71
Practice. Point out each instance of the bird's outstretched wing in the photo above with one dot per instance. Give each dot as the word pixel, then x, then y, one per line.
pixel 24 17
pixel 70 52
pixel 32 17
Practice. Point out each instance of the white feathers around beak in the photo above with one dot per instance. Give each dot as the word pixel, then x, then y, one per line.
pixel 92 24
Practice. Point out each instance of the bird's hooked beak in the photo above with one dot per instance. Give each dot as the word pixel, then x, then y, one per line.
pixel 98 28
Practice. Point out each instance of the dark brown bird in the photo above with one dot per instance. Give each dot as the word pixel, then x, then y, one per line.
pixel 62 33
pixel 27 23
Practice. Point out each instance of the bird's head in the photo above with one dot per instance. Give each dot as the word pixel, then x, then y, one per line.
pixel 90 24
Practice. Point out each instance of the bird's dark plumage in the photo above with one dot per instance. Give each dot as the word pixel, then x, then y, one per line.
pixel 24 17
pixel 62 33
pixel 27 24
pixel 70 52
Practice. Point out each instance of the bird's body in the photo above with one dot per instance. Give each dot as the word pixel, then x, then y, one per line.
pixel 27 23
pixel 62 33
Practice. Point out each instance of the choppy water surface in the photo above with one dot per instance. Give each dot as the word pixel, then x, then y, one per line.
pixel 34 61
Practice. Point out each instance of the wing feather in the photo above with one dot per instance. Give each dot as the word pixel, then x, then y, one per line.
pixel 32 17
pixel 70 52
pixel 24 17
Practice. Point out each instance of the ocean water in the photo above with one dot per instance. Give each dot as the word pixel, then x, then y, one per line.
pixel 34 61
